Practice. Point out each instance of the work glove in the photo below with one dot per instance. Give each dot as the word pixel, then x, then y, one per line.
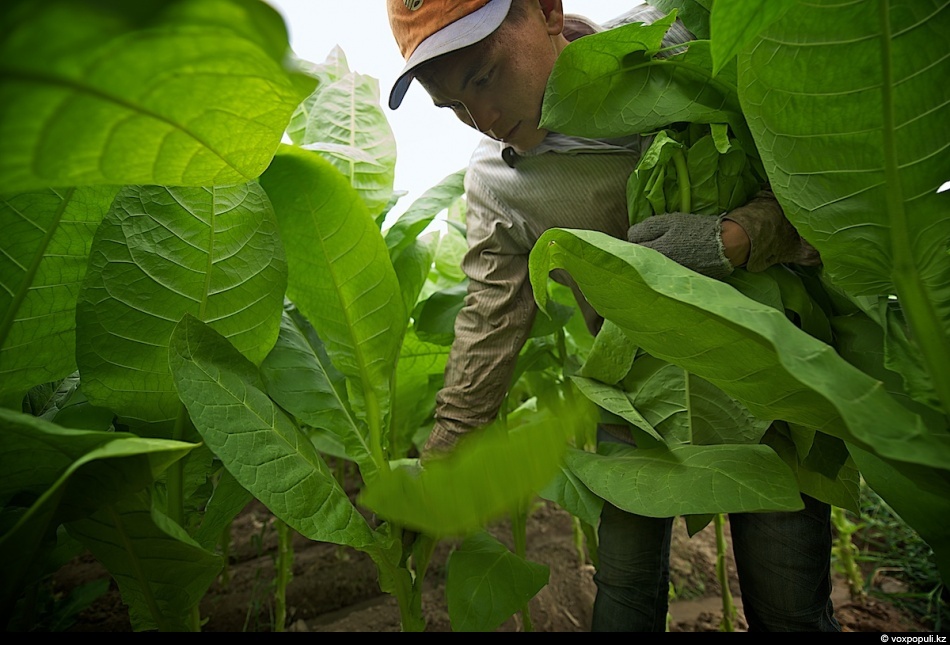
pixel 694 241
pixel 774 240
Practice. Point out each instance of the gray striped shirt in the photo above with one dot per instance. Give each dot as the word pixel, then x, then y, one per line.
pixel 565 182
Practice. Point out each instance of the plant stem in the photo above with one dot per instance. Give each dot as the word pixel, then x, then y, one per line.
pixel 682 181
pixel 175 489
pixel 578 533
pixel 408 593
pixel 285 563
pixel 519 522
pixel 226 555
pixel 670 596
pixel 845 552
pixel 728 608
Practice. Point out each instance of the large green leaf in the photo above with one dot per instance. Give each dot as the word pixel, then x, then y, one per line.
pixel 611 355
pixel 325 73
pixel 187 92
pixel 570 493
pixel 704 326
pixel 613 83
pixel 422 211
pixel 418 378
pixel 487 583
pixel 923 508
pixel 162 573
pixel 160 253
pixel 490 473
pixel 40 456
pixel 344 122
pixel 43 256
pixel 841 489
pixel 857 153
pixel 301 379
pixel 257 442
pixel 617 401
pixel 674 406
pixel 413 265
pixel 736 23
pixel 340 275
pixel 695 14
pixel 434 317
pixel 53 475
pixel 663 482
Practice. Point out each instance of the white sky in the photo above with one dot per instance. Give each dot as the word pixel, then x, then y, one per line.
pixel 430 143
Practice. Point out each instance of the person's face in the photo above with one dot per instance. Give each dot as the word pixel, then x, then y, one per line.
pixel 497 85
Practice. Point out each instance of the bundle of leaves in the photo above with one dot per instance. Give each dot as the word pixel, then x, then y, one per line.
pixel 699 168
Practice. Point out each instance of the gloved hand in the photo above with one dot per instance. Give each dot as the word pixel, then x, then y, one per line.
pixel 774 239
pixel 694 241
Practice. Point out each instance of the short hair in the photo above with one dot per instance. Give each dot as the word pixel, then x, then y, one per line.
pixel 518 11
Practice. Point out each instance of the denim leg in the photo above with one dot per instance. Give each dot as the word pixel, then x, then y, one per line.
pixel 784 566
pixel 633 575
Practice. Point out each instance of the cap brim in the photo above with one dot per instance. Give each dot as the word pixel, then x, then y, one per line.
pixel 460 34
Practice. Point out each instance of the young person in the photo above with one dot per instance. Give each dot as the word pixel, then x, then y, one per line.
pixel 489 61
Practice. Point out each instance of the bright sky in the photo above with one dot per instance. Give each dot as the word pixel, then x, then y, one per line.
pixel 430 143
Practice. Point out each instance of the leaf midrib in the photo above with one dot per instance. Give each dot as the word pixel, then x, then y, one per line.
pixel 58 81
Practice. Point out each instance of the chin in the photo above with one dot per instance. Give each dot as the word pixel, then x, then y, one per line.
pixel 525 143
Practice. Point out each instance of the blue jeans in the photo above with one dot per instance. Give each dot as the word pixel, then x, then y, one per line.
pixel 783 561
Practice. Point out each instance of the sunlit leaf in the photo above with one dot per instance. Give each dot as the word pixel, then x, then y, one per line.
pixel 161 253
pixel 186 92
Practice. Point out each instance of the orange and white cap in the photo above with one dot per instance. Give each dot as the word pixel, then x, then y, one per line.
pixel 426 29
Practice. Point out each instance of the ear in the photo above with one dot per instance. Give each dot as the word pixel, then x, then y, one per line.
pixel 553 15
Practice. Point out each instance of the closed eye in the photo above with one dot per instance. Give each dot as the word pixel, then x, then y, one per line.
pixel 486 79
pixel 455 106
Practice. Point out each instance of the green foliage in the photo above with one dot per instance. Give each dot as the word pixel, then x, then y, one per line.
pixel 477 603
pixel 663 482
pixel 194 314
pixel 494 473
pixel 344 123
pixel 181 93
pixel 886 545
pixel 784 373
pixel 849 154
pixel 161 253
pixel 161 572
pixel 46 244
pixel 53 613
pixel 258 443
pixel 54 476
pixel 699 169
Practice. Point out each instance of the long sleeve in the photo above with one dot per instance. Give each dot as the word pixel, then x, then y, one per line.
pixel 490 330
pixel 572 183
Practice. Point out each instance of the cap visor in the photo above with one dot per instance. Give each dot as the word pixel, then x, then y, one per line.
pixel 460 34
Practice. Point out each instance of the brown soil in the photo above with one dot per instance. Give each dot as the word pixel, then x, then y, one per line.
pixel 334 589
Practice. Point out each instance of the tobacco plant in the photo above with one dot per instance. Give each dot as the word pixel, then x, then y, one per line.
pixel 197 314
pixel 849 360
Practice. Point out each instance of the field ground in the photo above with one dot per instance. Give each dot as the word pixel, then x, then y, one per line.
pixel 335 589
